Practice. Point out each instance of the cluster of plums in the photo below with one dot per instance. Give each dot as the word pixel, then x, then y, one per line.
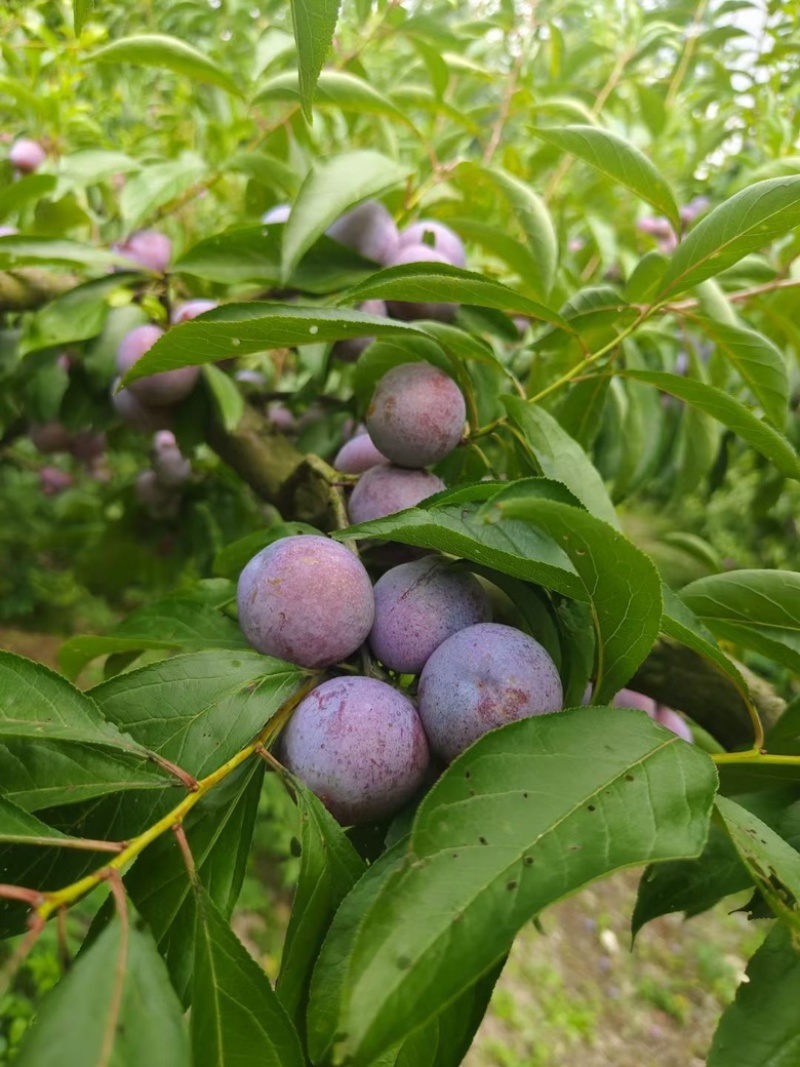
pixel 158 489
pixel 363 745
pixel 415 418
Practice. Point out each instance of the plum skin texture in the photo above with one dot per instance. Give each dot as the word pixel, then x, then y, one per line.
pixel 416 415
pixel 385 490
pixel 418 605
pixel 370 230
pixel 480 678
pixel 359 745
pixel 306 599
pixel 156 390
pixel 445 241
pixel 357 455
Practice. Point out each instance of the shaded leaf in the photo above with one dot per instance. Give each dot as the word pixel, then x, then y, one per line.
pixel 167 53
pixel 228 400
pixel 758 361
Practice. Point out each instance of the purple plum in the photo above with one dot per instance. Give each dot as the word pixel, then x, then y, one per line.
pixel 135 414
pixel 419 605
pixel 480 678
pixel 151 249
pixel 156 390
pixel 8 231
pixel 358 455
pixel 349 350
pixel 158 501
pixel 359 745
pixel 191 309
pixel 279 213
pixel 53 481
pixel 279 415
pixel 437 236
pixel 629 698
pixel 171 468
pixel 370 230
pixel 306 599
pixel 672 721
pixel 416 415
pixel 384 490
pixel 50 437
pixel 88 445
pixel 26 155
pixel 408 310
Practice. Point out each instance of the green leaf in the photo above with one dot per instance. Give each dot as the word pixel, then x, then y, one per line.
pixel 166 53
pixel 561 457
pixel 756 609
pixel 533 217
pixel 762 1026
pixel 774 864
pixel 115 1006
pixel 503 834
pixel 78 315
pixel 620 582
pixel 334 88
pixel 31 187
pixel 81 10
pixel 329 869
pixel 38 704
pixel 239 329
pixel 314 22
pixel 236 1017
pixel 19 250
pixel 254 255
pixel 620 161
pixel 679 622
pixel 730 412
pixel 17 827
pixel 758 361
pixel 228 401
pixel 331 187
pixel 455 525
pixel 157 184
pixel 441 282
pixel 745 223
pixel 175 623
pixel 201 708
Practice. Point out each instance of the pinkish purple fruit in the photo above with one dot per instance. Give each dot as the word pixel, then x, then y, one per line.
pixel 629 698
pixel 418 606
pixel 416 415
pixel 157 500
pixel 358 455
pixel 50 437
pixel 53 481
pixel 384 490
pixel 26 155
pixel 279 213
pixel 672 721
pixel 370 230
pixel 480 678
pixel 350 349
pixel 437 236
pixel 171 468
pixel 306 599
pixel 88 445
pixel 191 309
pixel 359 745
pixel 151 249
pixel 409 310
pixel 136 414
pixel 156 390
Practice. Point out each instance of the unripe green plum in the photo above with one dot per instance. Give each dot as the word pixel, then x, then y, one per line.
pixel 384 490
pixel 358 455
pixel 437 236
pixel 416 415
pixel 306 599
pixel 409 310
pixel 359 745
pixel 156 390
pixel 26 155
pixel 370 230
pixel 480 678
pixel 419 605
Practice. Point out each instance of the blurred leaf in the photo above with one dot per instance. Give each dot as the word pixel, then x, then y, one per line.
pixel 167 53
pixel 81 11
pixel 77 315
pixel 157 184
pixel 745 223
pixel 561 457
pixel 756 609
pixel 332 187
pixel 620 581
pixel 336 88
pixel 21 251
pixel 758 361
pixel 236 1017
pixel 329 869
pixel 175 623
pixel 31 187
pixel 503 834
pixel 228 401
pixel 730 412
pixel 314 22
pixel 617 159
pixel 762 1026
pixel 115 1005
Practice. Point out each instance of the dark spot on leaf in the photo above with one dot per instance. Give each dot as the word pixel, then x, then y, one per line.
pixel 511 885
pixel 472 793
pixel 575 848
pixel 528 861
pixel 524 796
pixel 467 774
pixel 628 777
pixel 295 847
pixel 403 962
pixel 591 807
pixel 455 855
pixel 483 841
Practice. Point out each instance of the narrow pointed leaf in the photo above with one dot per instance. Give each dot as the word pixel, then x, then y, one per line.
pixel 758 361
pixel 334 88
pixel 617 159
pixel 314 22
pixel 167 53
